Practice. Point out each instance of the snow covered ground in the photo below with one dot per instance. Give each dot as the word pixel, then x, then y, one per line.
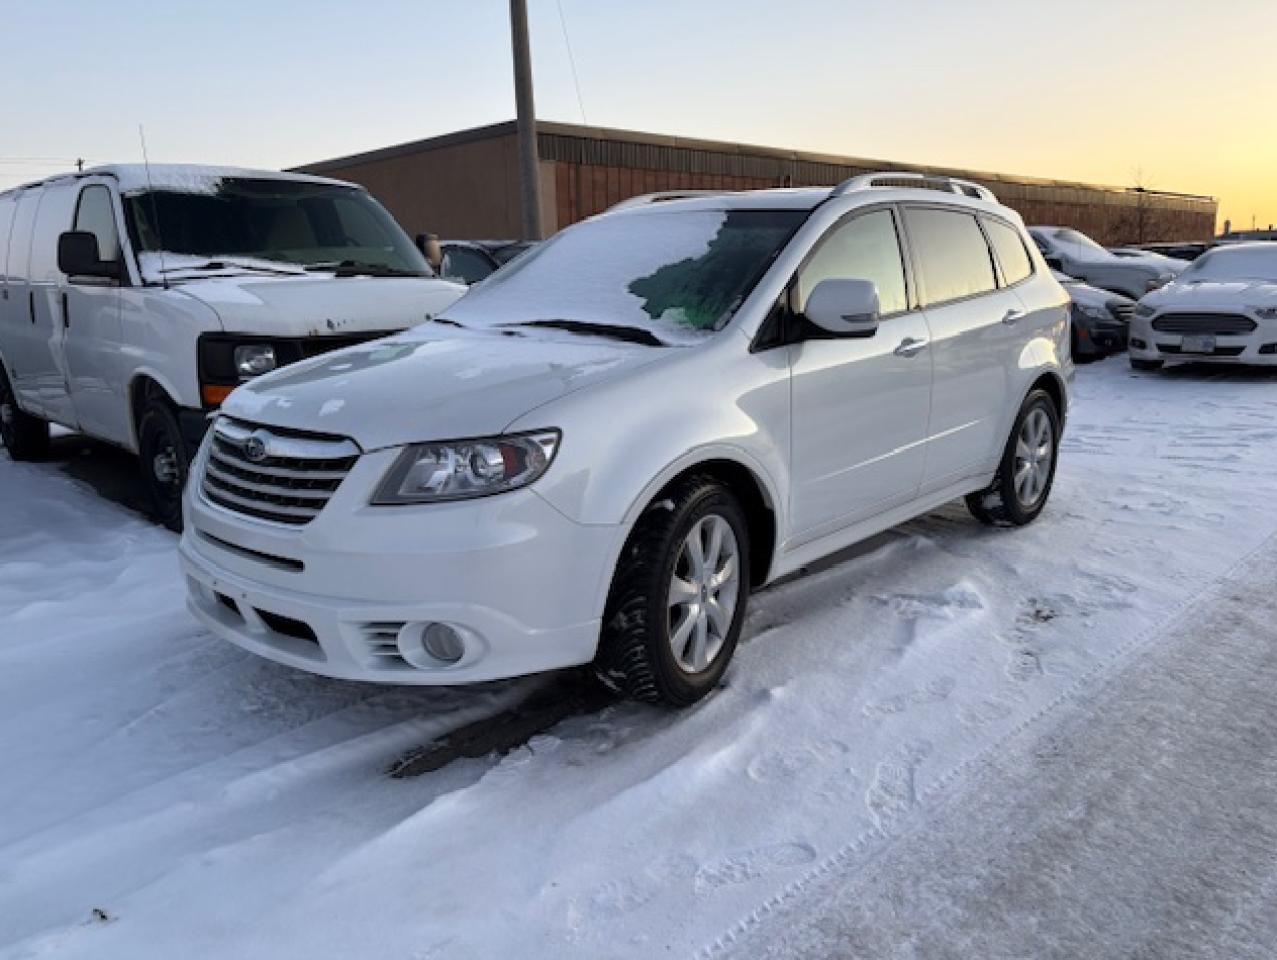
pixel 164 794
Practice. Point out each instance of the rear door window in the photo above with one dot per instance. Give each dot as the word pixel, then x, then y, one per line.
pixel 863 248
pixel 952 256
pixel 1009 249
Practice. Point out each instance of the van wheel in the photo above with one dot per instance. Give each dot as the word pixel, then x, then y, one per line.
pixel 164 462
pixel 1023 482
pixel 678 597
pixel 24 436
pixel 1148 366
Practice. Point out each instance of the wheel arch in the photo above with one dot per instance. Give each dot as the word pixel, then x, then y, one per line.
pixel 144 386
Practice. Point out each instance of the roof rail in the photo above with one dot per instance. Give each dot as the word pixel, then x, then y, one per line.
pixel 643 199
pixel 966 188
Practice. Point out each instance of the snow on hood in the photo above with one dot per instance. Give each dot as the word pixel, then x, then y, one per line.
pixel 1212 294
pixel 432 383
pixel 320 304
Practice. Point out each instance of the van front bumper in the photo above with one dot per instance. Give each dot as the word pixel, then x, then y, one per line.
pixel 349 594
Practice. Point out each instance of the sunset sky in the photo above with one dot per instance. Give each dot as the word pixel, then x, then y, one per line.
pixel 1176 94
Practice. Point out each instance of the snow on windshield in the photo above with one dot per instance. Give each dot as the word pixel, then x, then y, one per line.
pixel 1248 263
pixel 680 275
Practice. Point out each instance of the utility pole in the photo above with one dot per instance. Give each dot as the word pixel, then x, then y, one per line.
pixel 526 121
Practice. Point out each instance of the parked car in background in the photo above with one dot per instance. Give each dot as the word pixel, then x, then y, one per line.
pixel 133 300
pixel 1074 253
pixel 1222 309
pixel 469 261
pixel 1180 251
pixel 1099 318
pixel 595 458
pixel 1143 253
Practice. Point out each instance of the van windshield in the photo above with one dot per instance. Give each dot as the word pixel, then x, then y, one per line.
pixel 238 224
pixel 659 276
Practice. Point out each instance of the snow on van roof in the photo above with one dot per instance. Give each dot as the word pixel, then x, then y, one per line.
pixel 191 177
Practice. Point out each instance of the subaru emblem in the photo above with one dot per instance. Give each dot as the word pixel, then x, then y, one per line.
pixel 255 448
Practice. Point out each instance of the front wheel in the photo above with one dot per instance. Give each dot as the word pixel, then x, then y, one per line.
pixel 164 462
pixel 24 436
pixel 1026 472
pixel 678 597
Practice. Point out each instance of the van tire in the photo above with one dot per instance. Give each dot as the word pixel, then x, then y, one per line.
pixel 164 462
pixel 24 436
pixel 635 656
pixel 1000 503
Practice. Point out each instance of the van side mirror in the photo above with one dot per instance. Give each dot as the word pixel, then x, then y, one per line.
pixel 845 308
pixel 78 256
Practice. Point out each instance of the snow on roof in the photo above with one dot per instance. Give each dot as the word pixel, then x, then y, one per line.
pixel 181 177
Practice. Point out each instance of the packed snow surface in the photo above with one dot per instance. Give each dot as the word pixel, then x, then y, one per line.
pixel 167 795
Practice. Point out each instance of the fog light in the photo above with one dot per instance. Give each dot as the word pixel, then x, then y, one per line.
pixel 1138 344
pixel 443 643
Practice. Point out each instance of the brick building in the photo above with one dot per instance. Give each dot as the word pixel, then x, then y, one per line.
pixel 465 184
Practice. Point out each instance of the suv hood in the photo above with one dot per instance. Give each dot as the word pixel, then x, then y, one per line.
pixel 321 305
pixel 434 383
pixel 1231 295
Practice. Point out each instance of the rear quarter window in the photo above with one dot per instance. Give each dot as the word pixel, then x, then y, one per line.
pixel 953 259
pixel 1013 258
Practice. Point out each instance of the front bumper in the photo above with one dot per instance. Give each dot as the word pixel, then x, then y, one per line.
pixel 348 594
pixel 1100 337
pixel 1244 349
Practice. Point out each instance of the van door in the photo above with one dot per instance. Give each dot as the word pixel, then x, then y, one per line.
pixel 91 329
pixel 859 407
pixel 19 339
pixel 46 370
pixel 972 322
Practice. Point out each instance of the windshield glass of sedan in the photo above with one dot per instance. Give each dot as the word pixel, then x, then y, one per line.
pixel 1256 263
pixel 1081 241
pixel 291 223
pixel 678 275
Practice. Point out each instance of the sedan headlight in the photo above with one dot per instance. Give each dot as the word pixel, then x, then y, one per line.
pixel 1144 310
pixel 254 359
pixel 1264 313
pixel 1094 313
pixel 462 469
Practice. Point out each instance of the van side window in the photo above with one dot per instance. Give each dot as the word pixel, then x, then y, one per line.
pixel 1009 248
pixel 864 248
pixel 96 215
pixel 952 256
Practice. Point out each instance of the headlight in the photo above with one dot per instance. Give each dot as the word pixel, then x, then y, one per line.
pixel 1144 310
pixel 1264 313
pixel 462 469
pixel 1095 313
pixel 254 359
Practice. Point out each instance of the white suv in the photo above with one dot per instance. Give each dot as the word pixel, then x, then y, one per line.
pixel 600 451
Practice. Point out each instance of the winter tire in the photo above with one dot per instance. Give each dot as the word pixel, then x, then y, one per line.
pixel 678 597
pixel 24 436
pixel 1026 472
pixel 164 462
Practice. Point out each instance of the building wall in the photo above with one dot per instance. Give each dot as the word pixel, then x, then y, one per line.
pixel 465 185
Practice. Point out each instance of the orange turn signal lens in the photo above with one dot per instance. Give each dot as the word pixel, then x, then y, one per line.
pixel 213 394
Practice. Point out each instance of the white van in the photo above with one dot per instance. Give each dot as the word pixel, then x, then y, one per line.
pixel 132 301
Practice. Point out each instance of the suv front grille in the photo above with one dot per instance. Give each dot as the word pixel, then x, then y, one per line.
pixel 1219 324
pixel 274 474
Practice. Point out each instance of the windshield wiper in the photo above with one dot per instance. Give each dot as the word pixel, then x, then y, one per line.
pixel 356 268
pixel 231 265
pixel 627 334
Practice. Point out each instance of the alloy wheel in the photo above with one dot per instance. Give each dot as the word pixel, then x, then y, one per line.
pixel 1034 452
pixel 703 593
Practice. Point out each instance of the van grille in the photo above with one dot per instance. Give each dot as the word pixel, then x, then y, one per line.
pixel 1219 324
pixel 273 474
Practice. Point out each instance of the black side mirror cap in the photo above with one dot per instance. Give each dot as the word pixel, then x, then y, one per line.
pixel 78 256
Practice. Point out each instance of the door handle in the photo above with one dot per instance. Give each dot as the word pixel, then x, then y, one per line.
pixel 1012 317
pixel 66 316
pixel 909 347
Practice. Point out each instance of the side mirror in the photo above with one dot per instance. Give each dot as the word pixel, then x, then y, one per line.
pixel 78 256
pixel 428 244
pixel 845 308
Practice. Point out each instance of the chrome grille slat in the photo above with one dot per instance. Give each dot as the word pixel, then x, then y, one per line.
pixel 1219 324
pixel 290 482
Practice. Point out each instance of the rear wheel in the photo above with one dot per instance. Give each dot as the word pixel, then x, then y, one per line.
pixel 1026 472
pixel 24 436
pixel 164 463
pixel 1147 366
pixel 678 597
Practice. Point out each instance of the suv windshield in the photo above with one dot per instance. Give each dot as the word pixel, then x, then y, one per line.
pixel 270 226
pixel 1254 263
pixel 671 276
pixel 1080 240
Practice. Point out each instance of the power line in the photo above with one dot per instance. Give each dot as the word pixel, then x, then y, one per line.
pixel 576 81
